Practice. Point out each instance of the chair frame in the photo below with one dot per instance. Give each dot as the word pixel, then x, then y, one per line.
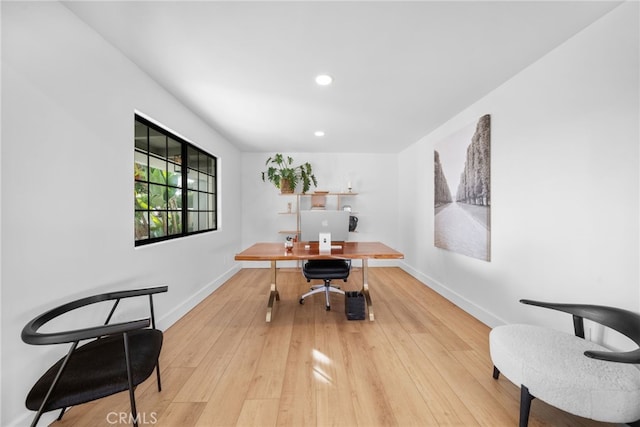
pixel 30 335
pixel 624 321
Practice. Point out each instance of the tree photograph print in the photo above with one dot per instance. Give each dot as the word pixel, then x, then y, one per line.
pixel 462 191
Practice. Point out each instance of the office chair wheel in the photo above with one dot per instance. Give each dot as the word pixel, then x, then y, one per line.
pixel 301 300
pixel 328 308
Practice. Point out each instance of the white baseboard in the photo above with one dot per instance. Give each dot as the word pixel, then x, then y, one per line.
pixel 476 311
pixel 183 308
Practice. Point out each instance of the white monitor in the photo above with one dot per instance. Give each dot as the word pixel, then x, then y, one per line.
pixel 314 222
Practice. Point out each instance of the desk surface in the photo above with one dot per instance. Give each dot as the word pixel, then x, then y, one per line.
pixel 350 250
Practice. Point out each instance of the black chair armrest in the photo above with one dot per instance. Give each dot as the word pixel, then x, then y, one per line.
pixel 632 357
pixel 624 321
pixel 136 292
pixel 32 336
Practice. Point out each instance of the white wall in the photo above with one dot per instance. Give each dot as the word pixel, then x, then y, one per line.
pixel 565 184
pixel 373 176
pixel 68 101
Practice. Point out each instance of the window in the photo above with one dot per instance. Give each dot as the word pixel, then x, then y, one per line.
pixel 164 208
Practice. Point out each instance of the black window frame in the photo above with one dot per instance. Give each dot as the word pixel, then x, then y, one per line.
pixel 181 199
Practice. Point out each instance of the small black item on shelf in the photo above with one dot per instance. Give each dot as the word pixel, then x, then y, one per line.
pixel 353 223
pixel 354 305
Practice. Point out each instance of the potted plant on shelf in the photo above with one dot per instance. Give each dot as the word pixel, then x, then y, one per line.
pixel 285 176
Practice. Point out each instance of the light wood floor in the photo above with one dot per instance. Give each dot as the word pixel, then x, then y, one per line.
pixel 422 362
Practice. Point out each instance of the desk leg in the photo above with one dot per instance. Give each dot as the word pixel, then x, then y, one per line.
pixel 273 294
pixel 365 287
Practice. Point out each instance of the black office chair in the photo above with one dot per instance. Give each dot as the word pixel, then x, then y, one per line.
pixel 119 356
pixel 325 270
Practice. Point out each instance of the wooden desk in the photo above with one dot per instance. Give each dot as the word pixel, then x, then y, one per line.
pixel 274 252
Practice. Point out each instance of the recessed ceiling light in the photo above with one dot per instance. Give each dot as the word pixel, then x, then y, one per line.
pixel 319 133
pixel 324 79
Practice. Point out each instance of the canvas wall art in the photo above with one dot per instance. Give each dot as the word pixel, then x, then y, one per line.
pixel 462 191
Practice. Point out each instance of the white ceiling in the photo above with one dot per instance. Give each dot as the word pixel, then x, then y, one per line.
pixel 400 68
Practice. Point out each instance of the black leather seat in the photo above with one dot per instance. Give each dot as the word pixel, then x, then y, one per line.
pixel 119 357
pixel 325 270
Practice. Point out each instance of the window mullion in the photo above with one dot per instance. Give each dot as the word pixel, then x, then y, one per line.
pixel 185 189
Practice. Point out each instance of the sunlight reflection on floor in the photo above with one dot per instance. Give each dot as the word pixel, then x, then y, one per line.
pixel 321 361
